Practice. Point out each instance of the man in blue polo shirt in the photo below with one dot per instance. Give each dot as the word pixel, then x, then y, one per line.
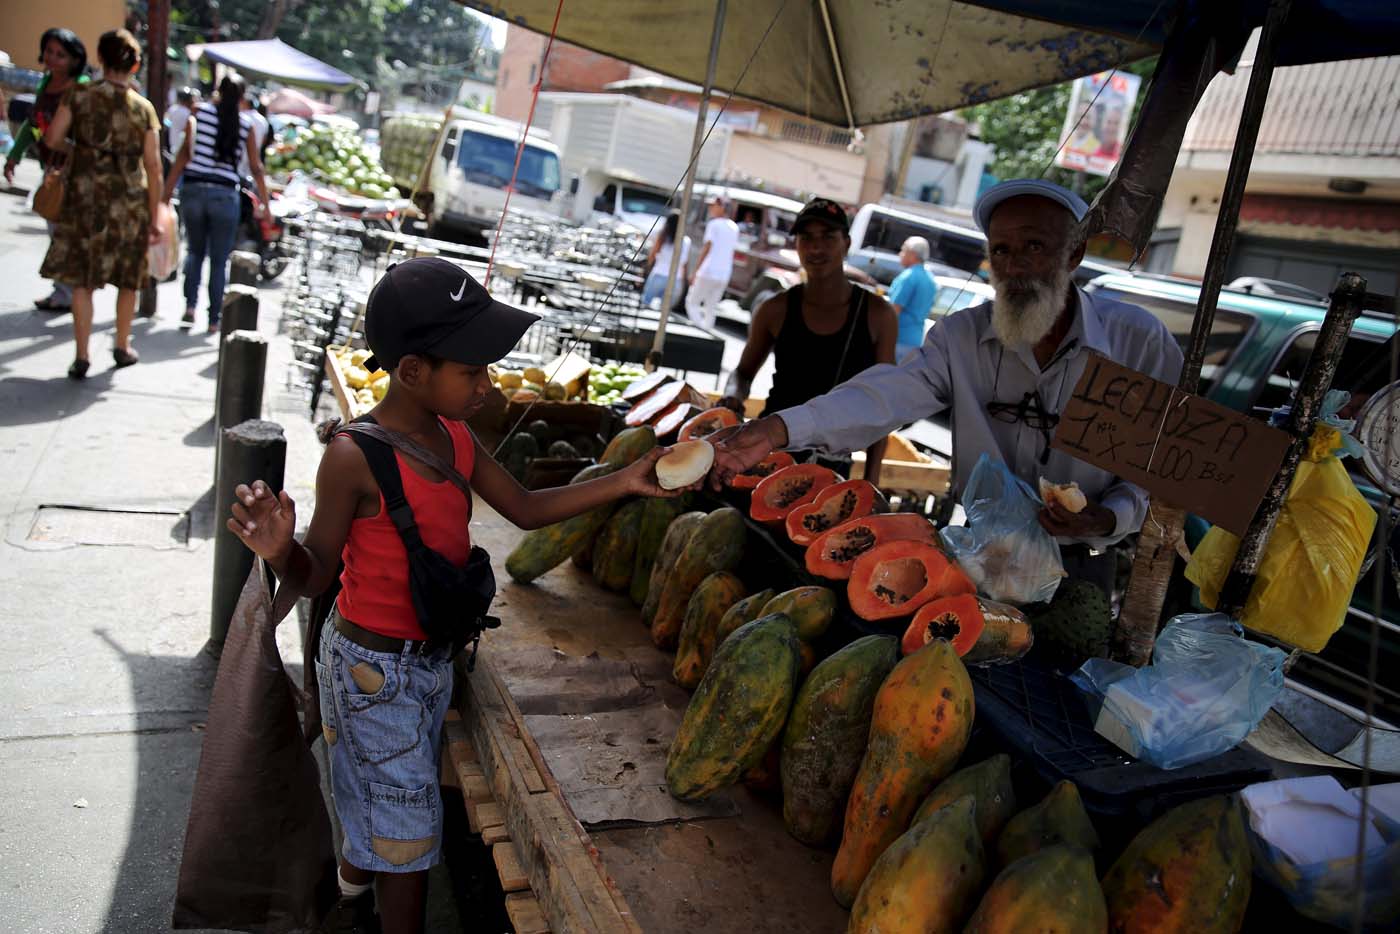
pixel 911 296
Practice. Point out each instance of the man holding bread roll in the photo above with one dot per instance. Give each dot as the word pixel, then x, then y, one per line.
pixel 1005 369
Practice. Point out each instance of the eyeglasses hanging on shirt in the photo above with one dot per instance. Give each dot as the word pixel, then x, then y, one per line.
pixel 1031 412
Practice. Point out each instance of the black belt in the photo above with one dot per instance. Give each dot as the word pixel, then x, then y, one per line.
pixel 376 642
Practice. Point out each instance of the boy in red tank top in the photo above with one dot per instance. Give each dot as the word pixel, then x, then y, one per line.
pixel 384 690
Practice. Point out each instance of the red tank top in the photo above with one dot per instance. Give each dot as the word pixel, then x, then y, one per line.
pixel 374 585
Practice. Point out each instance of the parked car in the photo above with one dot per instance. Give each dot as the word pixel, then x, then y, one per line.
pixel 1255 355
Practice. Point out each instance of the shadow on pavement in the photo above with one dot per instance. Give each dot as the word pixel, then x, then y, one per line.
pixel 201 437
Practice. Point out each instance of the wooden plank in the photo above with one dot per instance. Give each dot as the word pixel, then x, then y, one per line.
pixel 556 854
pixel 525 914
pixel 905 475
pixel 483 814
pixel 508 868
pixel 495 835
pixel 344 395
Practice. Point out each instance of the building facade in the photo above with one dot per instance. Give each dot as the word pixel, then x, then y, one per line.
pixel 1324 187
pixel 569 68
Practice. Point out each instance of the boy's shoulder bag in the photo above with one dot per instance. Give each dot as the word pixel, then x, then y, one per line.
pixel 452 603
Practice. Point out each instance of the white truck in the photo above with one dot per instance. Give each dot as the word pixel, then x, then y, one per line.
pixel 459 168
pixel 623 156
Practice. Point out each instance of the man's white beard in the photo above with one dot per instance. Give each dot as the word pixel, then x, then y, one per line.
pixel 1025 309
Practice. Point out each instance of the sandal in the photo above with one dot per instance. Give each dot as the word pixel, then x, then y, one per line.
pixel 48 304
pixel 187 319
pixel 213 327
pixel 124 357
pixel 79 369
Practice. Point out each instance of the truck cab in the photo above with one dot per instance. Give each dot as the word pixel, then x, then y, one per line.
pixel 462 188
pixel 632 203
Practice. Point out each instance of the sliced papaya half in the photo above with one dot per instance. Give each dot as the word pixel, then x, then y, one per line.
pixel 707 423
pixel 982 631
pixel 787 489
pixel 762 470
pixel 897 578
pixel 834 553
pixel 833 506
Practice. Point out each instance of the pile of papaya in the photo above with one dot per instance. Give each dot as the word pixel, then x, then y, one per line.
pixel 865 747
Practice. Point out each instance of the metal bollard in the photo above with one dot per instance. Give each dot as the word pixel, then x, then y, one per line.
pixel 240 313
pixel 243 268
pixel 242 370
pixel 252 450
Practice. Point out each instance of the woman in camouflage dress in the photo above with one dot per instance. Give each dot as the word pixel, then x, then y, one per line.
pixel 108 217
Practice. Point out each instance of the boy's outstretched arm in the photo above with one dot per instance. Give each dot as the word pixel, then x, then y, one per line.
pixel 534 509
pixel 265 522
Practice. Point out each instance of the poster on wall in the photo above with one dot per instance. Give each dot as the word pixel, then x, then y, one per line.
pixel 1096 126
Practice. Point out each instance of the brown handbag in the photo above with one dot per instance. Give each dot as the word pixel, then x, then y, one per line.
pixel 48 197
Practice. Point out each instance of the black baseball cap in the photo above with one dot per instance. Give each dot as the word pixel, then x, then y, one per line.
pixel 824 210
pixel 432 306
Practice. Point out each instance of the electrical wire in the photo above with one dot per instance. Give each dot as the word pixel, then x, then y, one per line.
pixel 675 189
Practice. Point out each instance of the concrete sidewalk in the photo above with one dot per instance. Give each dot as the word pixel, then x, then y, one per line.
pixel 105 615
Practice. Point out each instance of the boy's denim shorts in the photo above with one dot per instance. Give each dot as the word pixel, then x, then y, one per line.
pixel 382 716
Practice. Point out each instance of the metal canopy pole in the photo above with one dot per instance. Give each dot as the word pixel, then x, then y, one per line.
pixel 1228 219
pixel 654 358
pixel 1161 533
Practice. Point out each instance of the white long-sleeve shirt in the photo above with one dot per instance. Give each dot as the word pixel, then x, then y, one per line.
pixel 963 366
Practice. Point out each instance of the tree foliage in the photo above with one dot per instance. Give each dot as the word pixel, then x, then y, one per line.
pixel 1025 129
pixel 360 37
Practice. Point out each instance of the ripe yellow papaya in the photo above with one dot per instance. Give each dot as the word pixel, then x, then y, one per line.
pixel 737 711
pixel 715 595
pixel 927 880
pixel 1187 871
pixel 1052 891
pixel 989 783
pixel 919 728
pixel 1059 817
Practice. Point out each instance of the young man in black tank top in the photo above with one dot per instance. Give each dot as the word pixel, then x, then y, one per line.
pixel 825 333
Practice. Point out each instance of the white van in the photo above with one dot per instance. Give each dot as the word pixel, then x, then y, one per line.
pixel 466 165
pixel 878 231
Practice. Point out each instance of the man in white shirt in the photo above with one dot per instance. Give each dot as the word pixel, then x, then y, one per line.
pixel 177 118
pixel 714 268
pixel 1005 369
pixel 260 130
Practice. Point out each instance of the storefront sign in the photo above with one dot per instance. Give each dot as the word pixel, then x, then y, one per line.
pixel 1189 451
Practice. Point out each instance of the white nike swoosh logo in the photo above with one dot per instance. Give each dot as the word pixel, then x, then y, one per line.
pixel 457 295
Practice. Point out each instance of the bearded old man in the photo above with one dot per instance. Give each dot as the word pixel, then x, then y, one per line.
pixel 1005 369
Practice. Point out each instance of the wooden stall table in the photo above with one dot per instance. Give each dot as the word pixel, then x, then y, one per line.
pixel 566 721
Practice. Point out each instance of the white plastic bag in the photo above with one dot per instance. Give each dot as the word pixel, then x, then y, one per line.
pixel 1206 688
pixel 163 256
pixel 1003 548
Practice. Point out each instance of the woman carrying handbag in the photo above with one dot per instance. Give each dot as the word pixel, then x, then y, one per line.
pixel 108 211
pixel 64 59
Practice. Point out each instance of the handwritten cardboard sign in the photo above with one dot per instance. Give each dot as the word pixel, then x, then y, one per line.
pixel 1191 452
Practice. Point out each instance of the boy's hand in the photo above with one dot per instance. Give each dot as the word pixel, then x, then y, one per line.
pixel 264 521
pixel 640 477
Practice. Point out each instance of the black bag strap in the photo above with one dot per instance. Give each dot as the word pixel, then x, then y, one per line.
pixel 380 457
pixel 367 426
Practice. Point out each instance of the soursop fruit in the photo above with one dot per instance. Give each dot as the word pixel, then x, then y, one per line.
pixel 1078 621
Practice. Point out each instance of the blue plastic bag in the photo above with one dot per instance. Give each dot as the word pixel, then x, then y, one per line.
pixel 1206 688
pixel 1003 548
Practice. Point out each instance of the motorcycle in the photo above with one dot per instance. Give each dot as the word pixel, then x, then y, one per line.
pixel 260 232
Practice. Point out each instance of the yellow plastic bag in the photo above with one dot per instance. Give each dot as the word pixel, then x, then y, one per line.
pixel 1312 560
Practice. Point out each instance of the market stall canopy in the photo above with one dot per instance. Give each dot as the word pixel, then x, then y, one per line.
pixel 273 58
pixel 856 63
pixel 292 101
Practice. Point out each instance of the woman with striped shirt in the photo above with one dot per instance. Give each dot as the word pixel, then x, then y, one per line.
pixel 207 168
